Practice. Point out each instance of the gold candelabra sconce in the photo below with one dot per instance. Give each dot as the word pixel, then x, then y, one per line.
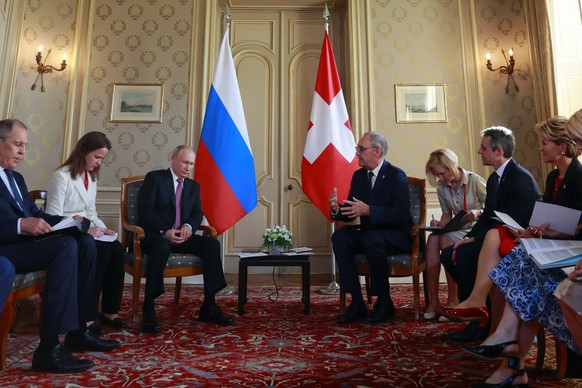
pixel 507 69
pixel 42 68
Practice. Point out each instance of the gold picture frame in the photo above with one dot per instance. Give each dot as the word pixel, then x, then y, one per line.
pixel 137 103
pixel 420 103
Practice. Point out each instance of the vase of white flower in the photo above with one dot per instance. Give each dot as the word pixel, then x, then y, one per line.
pixel 277 239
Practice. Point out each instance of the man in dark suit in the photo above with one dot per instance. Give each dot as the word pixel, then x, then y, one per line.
pixel 511 189
pixel 379 196
pixel 169 211
pixel 69 300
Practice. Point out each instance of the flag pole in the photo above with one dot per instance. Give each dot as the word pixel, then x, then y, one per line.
pixel 333 288
pixel 229 290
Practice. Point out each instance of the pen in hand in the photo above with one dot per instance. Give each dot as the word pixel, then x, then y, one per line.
pixel 433 223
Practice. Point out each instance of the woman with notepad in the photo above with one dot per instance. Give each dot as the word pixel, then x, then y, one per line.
pixel 461 194
pixel 529 290
pixel 72 190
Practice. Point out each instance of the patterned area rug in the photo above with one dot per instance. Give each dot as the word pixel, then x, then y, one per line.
pixel 274 345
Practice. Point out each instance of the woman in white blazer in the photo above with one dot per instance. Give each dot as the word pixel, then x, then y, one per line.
pixel 72 190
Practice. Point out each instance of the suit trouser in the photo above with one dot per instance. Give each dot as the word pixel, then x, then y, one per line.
pixel 464 270
pixel 69 294
pixel 349 242
pixel 158 250
pixel 109 274
pixel 6 279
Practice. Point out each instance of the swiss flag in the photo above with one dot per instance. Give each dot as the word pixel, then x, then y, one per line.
pixel 329 158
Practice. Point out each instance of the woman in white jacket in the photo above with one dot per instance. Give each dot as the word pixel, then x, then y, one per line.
pixel 72 190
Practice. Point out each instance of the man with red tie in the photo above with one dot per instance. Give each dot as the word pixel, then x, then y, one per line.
pixel 169 211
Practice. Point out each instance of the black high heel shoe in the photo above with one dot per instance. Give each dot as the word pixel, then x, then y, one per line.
pixel 512 363
pixel 488 352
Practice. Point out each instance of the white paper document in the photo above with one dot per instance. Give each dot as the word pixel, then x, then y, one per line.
pixel 65 223
pixel 107 238
pixel 507 220
pixel 560 218
pixel 547 253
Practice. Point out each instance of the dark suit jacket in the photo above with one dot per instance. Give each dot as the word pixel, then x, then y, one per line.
pixel 570 191
pixel 10 212
pixel 389 203
pixel 516 196
pixel 157 202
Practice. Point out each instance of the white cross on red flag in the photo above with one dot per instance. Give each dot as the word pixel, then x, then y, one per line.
pixel 329 158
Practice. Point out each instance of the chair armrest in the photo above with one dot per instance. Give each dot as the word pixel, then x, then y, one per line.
pixel 208 231
pixel 138 231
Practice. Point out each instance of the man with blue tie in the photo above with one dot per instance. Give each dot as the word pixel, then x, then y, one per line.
pixel 511 189
pixel 379 196
pixel 69 300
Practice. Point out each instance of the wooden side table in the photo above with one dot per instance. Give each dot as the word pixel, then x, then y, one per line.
pixel 299 260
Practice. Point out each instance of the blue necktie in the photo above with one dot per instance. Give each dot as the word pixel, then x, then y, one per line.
pixel 16 193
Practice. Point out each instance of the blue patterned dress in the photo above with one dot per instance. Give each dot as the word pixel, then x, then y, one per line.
pixel 530 291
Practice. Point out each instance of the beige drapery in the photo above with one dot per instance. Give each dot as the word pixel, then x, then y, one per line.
pixel 538 22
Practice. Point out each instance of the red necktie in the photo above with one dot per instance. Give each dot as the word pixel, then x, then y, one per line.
pixel 178 222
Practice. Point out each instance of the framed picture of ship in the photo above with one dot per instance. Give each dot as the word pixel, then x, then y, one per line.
pixel 420 103
pixel 137 103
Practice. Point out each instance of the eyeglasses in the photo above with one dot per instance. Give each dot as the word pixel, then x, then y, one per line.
pixel 18 145
pixel 361 149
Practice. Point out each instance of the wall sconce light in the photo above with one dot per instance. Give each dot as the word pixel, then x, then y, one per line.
pixel 42 68
pixel 508 69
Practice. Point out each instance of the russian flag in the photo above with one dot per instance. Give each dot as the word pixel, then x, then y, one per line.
pixel 225 168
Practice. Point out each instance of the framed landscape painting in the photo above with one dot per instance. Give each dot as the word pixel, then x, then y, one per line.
pixel 420 103
pixel 137 103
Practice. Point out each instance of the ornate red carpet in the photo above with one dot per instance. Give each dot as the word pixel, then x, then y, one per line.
pixel 273 345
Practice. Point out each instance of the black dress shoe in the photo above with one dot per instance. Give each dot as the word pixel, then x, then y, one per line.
pixel 149 322
pixel 489 352
pixel 354 312
pixel 381 312
pixel 213 314
pixel 116 323
pixel 507 383
pixel 95 329
pixel 88 342
pixel 473 332
pixel 58 360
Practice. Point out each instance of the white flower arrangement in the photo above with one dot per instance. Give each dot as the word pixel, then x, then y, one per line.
pixel 277 236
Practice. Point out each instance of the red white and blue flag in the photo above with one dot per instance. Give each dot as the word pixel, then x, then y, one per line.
pixel 225 167
pixel 329 158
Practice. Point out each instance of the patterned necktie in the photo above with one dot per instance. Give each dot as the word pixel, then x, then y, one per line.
pixel 16 193
pixel 178 222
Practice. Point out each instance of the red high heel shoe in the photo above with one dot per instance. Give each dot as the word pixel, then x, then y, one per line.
pixel 467 314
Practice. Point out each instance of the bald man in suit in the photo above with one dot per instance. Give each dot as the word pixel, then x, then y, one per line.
pixel 379 196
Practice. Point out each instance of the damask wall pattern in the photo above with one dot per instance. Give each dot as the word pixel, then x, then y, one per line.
pixel 502 25
pixel 140 42
pixel 52 25
pixel 420 42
